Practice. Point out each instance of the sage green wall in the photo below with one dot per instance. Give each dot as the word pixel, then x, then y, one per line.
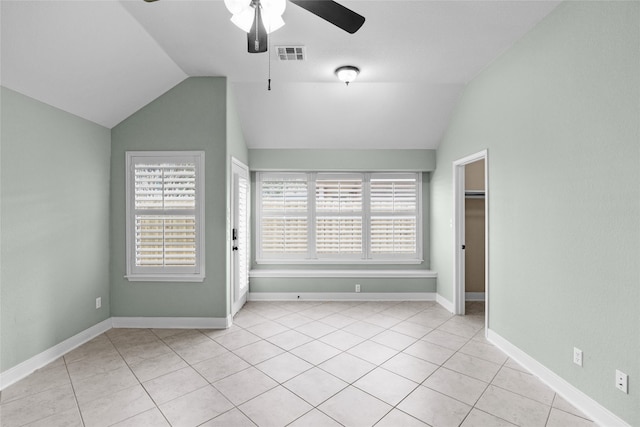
pixel 55 226
pixel 346 160
pixel 342 284
pixel 342 160
pixel 191 116
pixel 560 116
pixel 236 146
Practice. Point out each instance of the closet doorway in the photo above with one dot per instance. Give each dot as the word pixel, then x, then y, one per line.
pixel 471 225
pixel 474 233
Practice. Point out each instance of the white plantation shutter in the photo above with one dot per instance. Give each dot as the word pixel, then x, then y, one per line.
pixel 394 193
pixel 286 235
pixel 283 227
pixel 333 217
pixel 285 195
pixel 339 214
pixel 393 235
pixel 165 186
pixel 394 214
pixel 243 231
pixel 165 214
pixel 339 193
pixel 165 240
pixel 338 235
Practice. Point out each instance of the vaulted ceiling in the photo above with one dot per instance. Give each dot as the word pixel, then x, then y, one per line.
pixel 103 60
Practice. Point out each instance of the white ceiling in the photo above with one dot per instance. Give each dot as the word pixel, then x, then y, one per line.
pixel 103 60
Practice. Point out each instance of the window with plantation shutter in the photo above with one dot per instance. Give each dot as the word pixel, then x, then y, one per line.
pixel 338 224
pixel 283 208
pixel 339 217
pixel 394 214
pixel 165 214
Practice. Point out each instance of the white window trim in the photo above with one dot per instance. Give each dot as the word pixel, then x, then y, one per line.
pixel 171 275
pixel 344 259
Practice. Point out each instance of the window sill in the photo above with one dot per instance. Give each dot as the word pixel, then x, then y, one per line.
pixel 410 274
pixel 345 261
pixel 164 278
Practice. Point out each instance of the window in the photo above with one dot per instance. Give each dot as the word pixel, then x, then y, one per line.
pixel 165 215
pixel 339 217
pixel 394 213
pixel 284 216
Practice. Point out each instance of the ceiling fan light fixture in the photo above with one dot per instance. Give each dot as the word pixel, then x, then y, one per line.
pixel 237 6
pixel 272 21
pixel 244 19
pixel 347 73
pixel 243 12
pixel 274 7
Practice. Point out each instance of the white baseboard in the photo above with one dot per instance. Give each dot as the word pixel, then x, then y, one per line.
pixel 445 303
pixel 40 360
pixel 598 413
pixel 172 322
pixel 474 296
pixel 341 296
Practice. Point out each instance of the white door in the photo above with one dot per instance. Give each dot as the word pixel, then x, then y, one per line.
pixel 239 236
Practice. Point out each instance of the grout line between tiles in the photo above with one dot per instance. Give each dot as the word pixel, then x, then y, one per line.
pixel 264 312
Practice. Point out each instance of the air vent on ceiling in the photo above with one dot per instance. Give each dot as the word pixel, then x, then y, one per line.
pixel 291 53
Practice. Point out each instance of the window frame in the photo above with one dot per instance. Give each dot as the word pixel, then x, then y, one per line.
pixel 311 256
pixel 174 273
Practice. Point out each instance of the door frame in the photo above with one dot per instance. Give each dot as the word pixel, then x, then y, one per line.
pixel 237 166
pixel 459 232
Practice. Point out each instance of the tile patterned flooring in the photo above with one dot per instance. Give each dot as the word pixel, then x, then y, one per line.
pixel 298 364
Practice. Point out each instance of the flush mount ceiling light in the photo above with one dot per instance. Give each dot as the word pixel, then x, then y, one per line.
pixel 244 13
pixel 347 73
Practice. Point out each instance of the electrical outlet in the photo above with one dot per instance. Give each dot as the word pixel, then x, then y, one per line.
pixel 622 381
pixel 98 302
pixel 357 287
pixel 577 356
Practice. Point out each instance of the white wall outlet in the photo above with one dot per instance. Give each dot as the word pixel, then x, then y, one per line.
pixel 577 356
pixel 98 302
pixel 357 287
pixel 622 381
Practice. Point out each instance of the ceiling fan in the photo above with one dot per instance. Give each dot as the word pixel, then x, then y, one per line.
pixel 252 13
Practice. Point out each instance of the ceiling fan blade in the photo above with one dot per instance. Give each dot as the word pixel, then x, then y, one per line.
pixel 257 36
pixel 334 13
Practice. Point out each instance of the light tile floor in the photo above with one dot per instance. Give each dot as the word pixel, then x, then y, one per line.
pixel 387 364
